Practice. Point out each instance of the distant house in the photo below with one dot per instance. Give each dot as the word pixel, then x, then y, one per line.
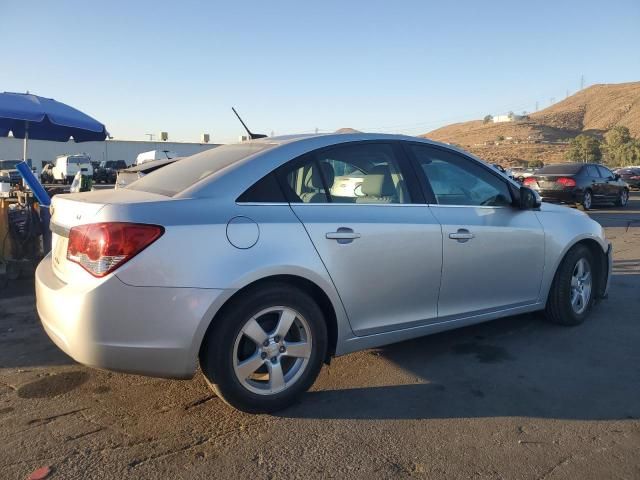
pixel 511 117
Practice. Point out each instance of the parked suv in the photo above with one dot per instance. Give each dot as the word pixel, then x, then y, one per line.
pixel 579 183
pixel 107 171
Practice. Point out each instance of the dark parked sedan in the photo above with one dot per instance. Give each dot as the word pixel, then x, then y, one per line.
pixel 630 175
pixel 579 183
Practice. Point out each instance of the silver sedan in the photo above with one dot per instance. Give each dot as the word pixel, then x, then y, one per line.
pixel 245 260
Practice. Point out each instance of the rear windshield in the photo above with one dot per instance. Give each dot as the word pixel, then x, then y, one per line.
pixel 178 176
pixel 562 168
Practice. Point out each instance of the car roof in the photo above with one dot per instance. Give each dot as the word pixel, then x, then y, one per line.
pixel 237 177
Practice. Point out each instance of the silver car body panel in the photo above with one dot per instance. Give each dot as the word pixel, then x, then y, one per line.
pixel 151 314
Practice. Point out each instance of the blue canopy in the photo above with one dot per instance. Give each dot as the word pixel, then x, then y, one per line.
pixel 46 119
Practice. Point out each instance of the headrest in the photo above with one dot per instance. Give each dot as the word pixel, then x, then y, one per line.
pixel 378 182
pixel 327 171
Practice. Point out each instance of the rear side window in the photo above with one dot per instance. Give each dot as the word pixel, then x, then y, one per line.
pixel 265 190
pixel 304 181
pixel 179 176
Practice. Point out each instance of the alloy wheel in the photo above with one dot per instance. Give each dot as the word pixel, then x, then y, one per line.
pixel 272 350
pixel 581 284
pixel 586 202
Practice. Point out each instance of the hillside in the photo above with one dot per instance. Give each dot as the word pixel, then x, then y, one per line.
pixel 544 135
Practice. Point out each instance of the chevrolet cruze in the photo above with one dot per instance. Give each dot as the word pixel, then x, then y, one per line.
pixel 249 260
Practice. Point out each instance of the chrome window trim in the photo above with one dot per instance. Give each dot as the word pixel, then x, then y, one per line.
pixel 468 206
pixel 325 204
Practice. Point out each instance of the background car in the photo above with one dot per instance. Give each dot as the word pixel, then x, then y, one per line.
pixel 242 259
pixel 586 184
pixel 631 175
pixel 9 173
pixel 107 171
pixel 131 174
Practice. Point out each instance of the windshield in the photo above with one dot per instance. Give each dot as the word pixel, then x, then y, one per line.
pixel 184 173
pixel 561 168
pixel 8 164
pixel 77 160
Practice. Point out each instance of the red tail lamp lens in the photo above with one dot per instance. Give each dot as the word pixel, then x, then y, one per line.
pixel 100 248
pixel 567 182
pixel 529 181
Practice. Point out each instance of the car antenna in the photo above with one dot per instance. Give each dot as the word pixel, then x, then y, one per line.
pixel 252 136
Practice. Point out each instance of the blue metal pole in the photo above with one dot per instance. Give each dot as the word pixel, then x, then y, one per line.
pixel 43 199
pixel 36 187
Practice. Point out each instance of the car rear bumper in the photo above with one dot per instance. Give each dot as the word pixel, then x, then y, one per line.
pixel 144 330
pixel 561 196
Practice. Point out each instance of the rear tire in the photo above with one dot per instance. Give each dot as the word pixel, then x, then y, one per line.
pixel 623 198
pixel 587 200
pixel 249 362
pixel 573 288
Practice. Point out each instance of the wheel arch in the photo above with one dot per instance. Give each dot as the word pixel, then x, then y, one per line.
pixel 295 281
pixel 600 260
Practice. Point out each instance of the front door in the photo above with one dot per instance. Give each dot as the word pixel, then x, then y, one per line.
pixel 383 253
pixel 493 253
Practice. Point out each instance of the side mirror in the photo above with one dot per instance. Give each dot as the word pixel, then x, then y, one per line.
pixel 616 177
pixel 529 199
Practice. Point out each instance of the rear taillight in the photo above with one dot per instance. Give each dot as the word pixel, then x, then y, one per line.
pixel 566 182
pixel 634 177
pixel 100 248
pixel 529 181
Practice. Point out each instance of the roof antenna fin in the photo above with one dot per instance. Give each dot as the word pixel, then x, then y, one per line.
pixel 252 136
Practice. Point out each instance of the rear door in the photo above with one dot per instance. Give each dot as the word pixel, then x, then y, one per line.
pixel 383 252
pixel 610 184
pixel 493 253
pixel 595 182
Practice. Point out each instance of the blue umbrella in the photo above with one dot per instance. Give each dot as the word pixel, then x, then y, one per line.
pixel 30 116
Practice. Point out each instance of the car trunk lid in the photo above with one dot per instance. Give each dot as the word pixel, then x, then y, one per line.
pixel 68 211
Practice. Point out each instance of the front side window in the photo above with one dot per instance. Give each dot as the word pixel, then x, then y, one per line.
pixel 456 180
pixel 605 172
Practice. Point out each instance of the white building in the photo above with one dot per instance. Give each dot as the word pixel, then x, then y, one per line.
pixel 41 152
pixel 507 118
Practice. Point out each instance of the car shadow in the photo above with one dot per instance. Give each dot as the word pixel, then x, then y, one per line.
pixel 518 366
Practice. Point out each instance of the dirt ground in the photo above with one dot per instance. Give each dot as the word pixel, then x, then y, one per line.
pixel 514 398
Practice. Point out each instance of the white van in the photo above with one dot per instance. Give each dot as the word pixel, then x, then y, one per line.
pixel 155 155
pixel 65 168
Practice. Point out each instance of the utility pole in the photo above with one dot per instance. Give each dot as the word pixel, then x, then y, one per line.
pixel 536 105
pixel 581 81
pixel 150 135
pixel 567 93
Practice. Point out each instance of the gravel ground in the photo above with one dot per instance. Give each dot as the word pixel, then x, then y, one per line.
pixel 514 398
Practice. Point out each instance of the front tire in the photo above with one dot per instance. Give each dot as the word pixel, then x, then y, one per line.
pixel 265 349
pixel 572 291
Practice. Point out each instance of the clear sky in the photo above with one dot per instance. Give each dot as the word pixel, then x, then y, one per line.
pixel 398 66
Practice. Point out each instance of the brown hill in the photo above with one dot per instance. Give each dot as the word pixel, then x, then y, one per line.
pixel 544 135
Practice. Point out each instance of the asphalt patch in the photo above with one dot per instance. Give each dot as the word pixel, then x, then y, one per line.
pixel 483 353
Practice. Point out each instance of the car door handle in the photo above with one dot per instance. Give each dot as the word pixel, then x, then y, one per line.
pixel 462 235
pixel 343 235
